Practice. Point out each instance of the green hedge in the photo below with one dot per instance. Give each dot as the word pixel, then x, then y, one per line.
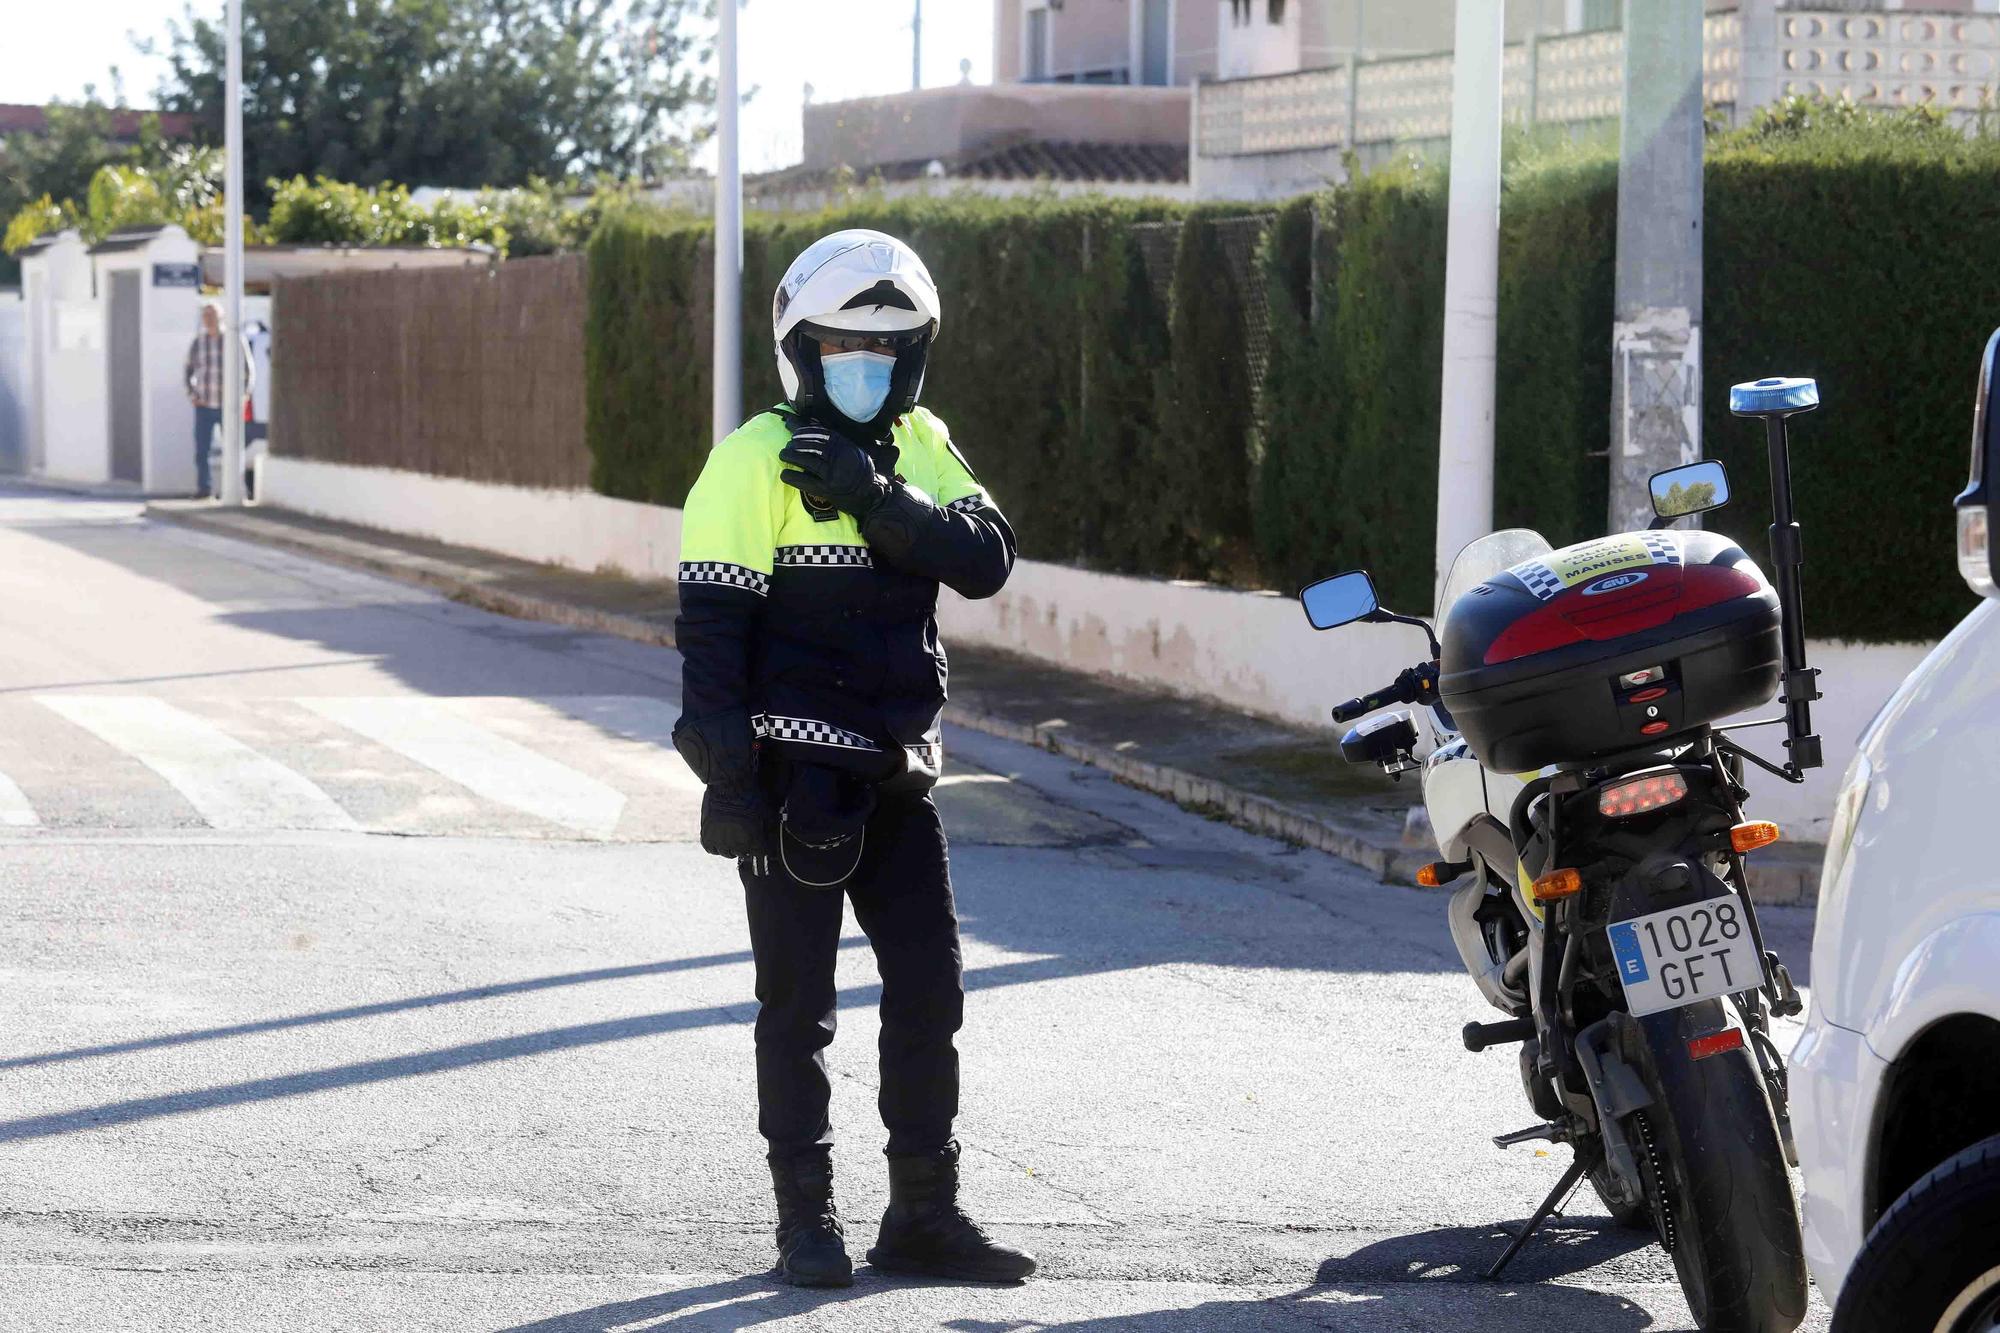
pixel 1053 370
pixel 1863 257
pixel 1126 432
pixel 1850 248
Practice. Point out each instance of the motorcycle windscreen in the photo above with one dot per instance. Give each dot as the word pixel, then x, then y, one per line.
pixel 1492 554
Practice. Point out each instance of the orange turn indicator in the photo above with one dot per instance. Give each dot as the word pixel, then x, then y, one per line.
pixel 1749 837
pixel 1557 884
pixel 1428 877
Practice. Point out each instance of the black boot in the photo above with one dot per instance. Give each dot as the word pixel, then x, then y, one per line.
pixel 924 1231
pixel 811 1252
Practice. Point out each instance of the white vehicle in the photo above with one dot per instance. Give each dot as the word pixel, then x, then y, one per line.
pixel 1896 1082
pixel 1585 787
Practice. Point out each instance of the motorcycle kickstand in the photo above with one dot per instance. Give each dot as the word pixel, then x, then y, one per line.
pixel 1577 1167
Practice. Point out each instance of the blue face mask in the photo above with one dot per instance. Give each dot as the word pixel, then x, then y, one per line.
pixel 857 383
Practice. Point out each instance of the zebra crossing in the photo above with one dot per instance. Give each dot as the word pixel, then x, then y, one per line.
pixel 587 767
pixel 583 767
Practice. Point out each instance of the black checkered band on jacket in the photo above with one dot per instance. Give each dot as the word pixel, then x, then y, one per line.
pixel 806 731
pixel 824 555
pixel 726 575
pixel 967 504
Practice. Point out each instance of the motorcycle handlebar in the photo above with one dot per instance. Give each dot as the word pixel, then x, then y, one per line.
pixel 1399 693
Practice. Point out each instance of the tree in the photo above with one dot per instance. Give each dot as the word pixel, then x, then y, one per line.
pixel 463 93
pixel 1679 499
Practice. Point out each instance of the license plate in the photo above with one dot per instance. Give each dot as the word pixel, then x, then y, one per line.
pixel 1684 955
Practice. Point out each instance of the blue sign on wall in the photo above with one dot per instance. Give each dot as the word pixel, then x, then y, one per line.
pixel 177 275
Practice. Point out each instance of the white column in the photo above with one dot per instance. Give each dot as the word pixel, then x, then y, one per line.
pixel 230 484
pixel 727 405
pixel 1471 283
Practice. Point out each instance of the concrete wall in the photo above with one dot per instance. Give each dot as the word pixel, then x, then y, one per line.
pixel 940 122
pixel 1264 176
pixel 1244 650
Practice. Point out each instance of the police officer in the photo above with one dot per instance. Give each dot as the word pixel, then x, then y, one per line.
pixel 812 548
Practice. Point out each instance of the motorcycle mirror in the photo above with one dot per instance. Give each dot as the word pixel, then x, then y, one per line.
pixel 1340 600
pixel 1694 488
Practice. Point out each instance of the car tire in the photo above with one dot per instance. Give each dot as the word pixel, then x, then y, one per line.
pixel 1933 1261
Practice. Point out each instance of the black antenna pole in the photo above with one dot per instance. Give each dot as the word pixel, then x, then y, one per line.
pixel 1776 400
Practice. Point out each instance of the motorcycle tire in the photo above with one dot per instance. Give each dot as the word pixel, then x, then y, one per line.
pixel 1718 1189
pixel 1932 1263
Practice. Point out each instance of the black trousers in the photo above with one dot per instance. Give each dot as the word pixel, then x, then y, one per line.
pixel 901 893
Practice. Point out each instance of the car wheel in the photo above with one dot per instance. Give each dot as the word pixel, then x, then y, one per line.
pixel 1932 1264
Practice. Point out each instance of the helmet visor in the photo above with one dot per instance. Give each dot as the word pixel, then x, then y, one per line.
pixel 847 340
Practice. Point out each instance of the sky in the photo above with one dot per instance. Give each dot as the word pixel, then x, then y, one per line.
pixel 844 48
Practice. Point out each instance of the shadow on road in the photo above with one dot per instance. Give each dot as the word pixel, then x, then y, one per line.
pixel 742 1302
pixel 1562 1248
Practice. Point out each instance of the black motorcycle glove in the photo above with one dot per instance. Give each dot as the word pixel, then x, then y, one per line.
pixel 721 748
pixel 833 469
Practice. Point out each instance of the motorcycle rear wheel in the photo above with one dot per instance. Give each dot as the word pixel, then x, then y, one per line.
pixel 1630 1216
pixel 1721 1198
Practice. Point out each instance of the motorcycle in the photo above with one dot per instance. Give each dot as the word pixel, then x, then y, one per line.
pixel 1582 782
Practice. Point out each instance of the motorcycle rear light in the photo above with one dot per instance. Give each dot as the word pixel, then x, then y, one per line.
pixel 1637 796
pixel 1650 675
pixel 1749 837
pixel 1715 1043
pixel 1558 884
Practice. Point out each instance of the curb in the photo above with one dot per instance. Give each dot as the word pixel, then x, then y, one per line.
pixel 1396 864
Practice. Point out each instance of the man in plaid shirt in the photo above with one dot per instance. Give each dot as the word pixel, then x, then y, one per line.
pixel 204 387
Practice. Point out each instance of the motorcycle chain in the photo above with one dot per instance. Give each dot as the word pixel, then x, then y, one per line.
pixel 1655 1182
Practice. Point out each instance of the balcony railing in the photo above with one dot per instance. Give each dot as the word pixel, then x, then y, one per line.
pixel 1951 61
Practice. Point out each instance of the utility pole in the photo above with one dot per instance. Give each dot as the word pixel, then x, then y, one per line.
pixel 727 370
pixel 917 48
pixel 1471 283
pixel 1656 329
pixel 229 486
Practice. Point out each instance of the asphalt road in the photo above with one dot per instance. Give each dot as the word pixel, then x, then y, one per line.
pixel 357 971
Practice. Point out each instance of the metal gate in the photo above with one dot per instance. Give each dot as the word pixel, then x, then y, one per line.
pixel 127 386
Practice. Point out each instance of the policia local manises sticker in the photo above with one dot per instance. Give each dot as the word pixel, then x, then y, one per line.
pixel 1546 576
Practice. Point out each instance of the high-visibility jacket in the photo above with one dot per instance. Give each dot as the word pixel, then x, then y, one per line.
pixel 830 647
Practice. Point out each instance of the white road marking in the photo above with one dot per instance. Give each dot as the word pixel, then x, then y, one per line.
pixel 636 718
pixel 15 812
pixel 491 766
pixel 230 784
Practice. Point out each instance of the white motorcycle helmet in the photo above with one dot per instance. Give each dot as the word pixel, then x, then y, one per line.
pixel 870 295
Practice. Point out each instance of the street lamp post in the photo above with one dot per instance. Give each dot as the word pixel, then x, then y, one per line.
pixel 727 405
pixel 230 485
pixel 1471 284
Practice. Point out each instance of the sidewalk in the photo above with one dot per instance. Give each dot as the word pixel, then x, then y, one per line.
pixel 1265 776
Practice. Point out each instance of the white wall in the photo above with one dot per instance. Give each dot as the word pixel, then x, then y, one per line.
pixel 574 529
pixel 1258 46
pixel 74 437
pixel 1250 651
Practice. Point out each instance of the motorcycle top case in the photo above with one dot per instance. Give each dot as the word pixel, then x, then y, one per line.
pixel 1609 645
